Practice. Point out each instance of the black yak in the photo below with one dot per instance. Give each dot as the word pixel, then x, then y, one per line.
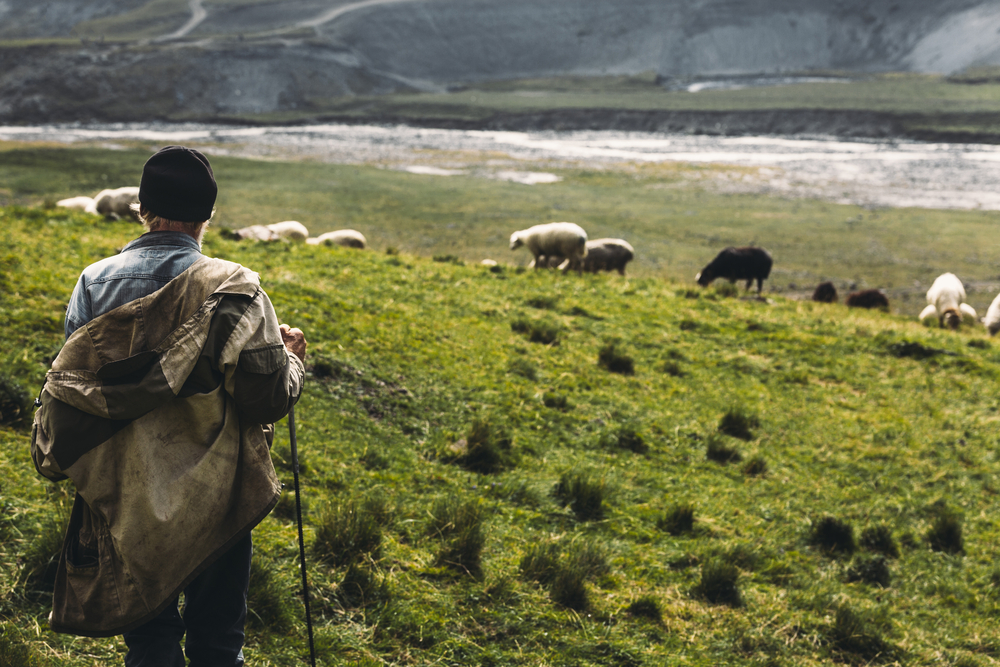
pixel 825 293
pixel 869 298
pixel 734 264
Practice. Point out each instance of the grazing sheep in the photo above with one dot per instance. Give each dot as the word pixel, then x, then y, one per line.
pixel 116 204
pixel 489 263
pixel 608 255
pixel 946 299
pixel 825 293
pixel 734 264
pixel 992 319
pixel 555 238
pixel 547 262
pixel 78 204
pixel 343 237
pixel 869 298
pixel 252 233
pixel 290 230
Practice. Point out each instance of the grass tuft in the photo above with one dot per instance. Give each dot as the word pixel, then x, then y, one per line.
pixel 647 607
pixel 537 331
pixel 489 449
pixel 719 583
pixel 543 302
pixel 15 401
pixel 879 539
pixel 870 570
pixel 739 423
pixel 672 368
pixel 524 368
pixel 551 399
pixel 611 358
pixel 583 493
pixel 912 350
pixel 41 558
pixel 717 450
pixel 361 587
pixel 540 562
pixel 625 436
pixel 345 532
pixel 569 589
pixel 945 533
pixel 588 557
pixel 677 520
pixel 269 603
pixel 285 509
pixel 14 652
pixel 857 640
pixel 756 466
pixel 459 525
pixel 833 536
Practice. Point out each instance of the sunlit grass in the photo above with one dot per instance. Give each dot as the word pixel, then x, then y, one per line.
pixel 660 551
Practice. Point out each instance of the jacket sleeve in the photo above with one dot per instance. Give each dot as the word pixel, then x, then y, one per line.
pixel 262 376
pixel 264 398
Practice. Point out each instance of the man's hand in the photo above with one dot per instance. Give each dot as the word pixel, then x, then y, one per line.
pixel 294 340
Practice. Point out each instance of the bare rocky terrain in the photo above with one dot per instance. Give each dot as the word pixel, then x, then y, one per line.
pixel 93 60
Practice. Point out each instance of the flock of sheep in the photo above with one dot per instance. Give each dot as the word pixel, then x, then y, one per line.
pixel 117 204
pixel 565 246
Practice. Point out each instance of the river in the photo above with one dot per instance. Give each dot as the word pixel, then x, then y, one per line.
pixel 874 173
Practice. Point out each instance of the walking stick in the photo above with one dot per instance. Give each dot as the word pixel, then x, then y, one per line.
pixel 302 542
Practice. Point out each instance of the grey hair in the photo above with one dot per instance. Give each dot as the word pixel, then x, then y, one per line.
pixel 153 222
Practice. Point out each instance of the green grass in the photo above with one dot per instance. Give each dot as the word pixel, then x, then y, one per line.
pixel 408 355
pixel 675 226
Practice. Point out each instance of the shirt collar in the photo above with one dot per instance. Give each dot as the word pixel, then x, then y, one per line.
pixel 150 239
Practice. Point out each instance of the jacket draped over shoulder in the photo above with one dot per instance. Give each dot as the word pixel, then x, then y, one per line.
pixel 155 411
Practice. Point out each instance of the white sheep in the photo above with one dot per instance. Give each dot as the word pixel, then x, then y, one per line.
pixel 992 319
pixel 348 238
pixel 290 230
pixel 252 233
pixel 946 299
pixel 565 239
pixel 116 203
pixel 85 204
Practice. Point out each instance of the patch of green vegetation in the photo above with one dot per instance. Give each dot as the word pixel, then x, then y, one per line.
pixel 675 225
pixel 406 356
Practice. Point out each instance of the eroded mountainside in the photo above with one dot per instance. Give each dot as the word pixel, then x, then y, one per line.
pixel 96 60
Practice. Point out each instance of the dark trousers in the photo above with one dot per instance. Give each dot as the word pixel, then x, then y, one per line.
pixel 215 608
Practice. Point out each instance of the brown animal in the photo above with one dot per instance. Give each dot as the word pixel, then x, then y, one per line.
pixel 869 298
pixel 825 293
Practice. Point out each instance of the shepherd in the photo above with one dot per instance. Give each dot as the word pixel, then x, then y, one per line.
pixel 159 408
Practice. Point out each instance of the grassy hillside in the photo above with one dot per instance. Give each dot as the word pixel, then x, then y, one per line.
pixel 780 483
pixel 667 212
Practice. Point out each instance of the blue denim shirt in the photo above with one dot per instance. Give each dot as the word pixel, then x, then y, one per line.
pixel 143 266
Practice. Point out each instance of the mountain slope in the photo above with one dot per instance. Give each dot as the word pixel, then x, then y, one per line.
pixel 244 57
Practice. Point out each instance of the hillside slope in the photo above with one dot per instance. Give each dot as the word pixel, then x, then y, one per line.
pixel 487 482
pixel 169 58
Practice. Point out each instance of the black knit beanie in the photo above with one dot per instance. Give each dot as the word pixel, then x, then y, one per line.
pixel 178 184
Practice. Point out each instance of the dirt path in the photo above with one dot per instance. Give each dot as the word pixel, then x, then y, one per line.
pixel 332 14
pixel 198 15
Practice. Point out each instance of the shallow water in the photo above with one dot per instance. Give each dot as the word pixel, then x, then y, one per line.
pixel 870 173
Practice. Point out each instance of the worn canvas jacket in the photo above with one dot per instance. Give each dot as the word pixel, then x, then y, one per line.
pixel 139 412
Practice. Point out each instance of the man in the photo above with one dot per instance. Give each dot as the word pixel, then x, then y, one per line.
pixel 156 410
